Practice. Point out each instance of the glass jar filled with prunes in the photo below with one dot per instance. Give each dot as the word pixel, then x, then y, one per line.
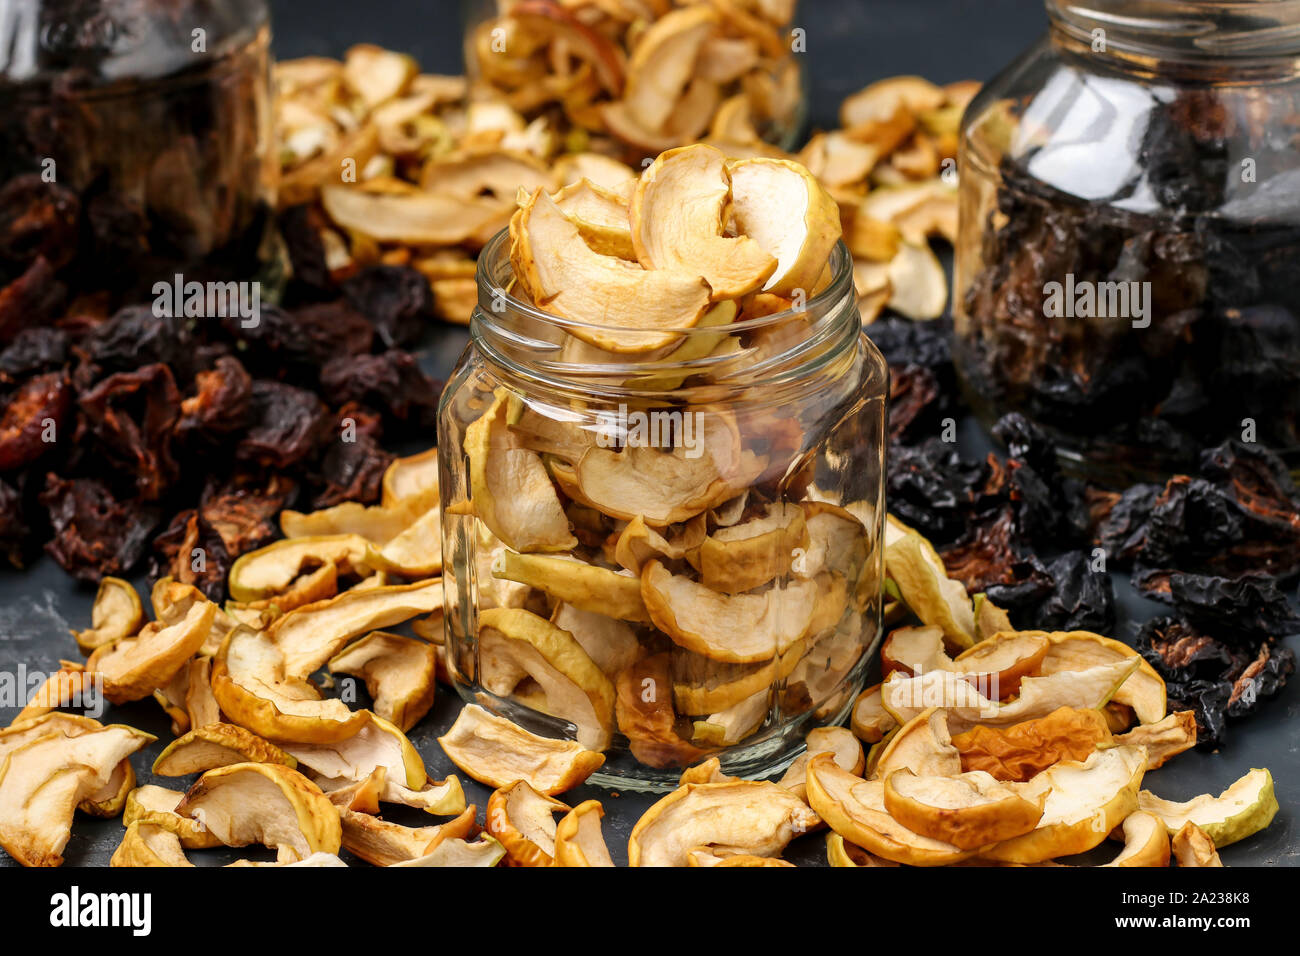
pixel 135 145
pixel 1128 267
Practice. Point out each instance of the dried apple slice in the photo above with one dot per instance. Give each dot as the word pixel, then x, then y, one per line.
pixel 499 172
pixel 200 704
pixel 601 217
pixel 609 642
pixel 523 820
pixel 726 728
pixel 918 282
pixel 578 837
pixel 485 851
pixel 969 810
pixel 739 628
pixel 575 689
pixel 400 674
pixel 509 486
pixel 217 745
pixel 923 746
pixel 841 853
pixel 157 806
pixel 703 686
pixel 855 809
pixel 264 803
pixel 249 683
pixel 269 571
pixel 622 306
pixel 745 817
pixel 881 99
pixel 134 667
pixel 750 554
pixel 376 74
pixel 1164 739
pixel 43 780
pixel 644 713
pixel 786 211
pixel 382 843
pixel 703 856
pixel 1005 662
pixel 116 614
pixel 145 844
pixel 412 218
pixel 870 721
pixel 916 568
pixel 1144 691
pixel 1245 808
pixel 414 477
pixel 1023 750
pixel 663 63
pixel 710 771
pixel 584 586
pixel 678 219
pixel 1193 847
pixel 309 636
pixel 1085 801
pixel 837 741
pixel 1146 842
pixel 496 752
pixel 599 169
pixel 108 800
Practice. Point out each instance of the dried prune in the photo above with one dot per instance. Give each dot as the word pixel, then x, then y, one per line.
pixel 94 533
pixel 931 488
pixel 33 418
pixel 38 218
pixel 136 336
pixel 1081 600
pixel 220 405
pixel 300 226
pixel 913 392
pixel 191 551
pixel 244 508
pixel 1263 678
pixel 287 424
pixel 308 336
pixel 32 352
pixel 14 530
pixel 30 300
pixel 391 382
pixel 1248 608
pixel 132 416
pixel 354 463
pixel 396 299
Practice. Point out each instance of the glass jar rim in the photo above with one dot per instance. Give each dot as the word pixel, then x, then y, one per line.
pixel 1185 31
pixel 825 316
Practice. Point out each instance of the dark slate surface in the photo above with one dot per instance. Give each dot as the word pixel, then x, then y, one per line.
pixel 849 44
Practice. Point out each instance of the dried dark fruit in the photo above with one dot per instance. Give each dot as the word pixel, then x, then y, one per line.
pixel 95 533
pixel 244 509
pixel 932 489
pixel 32 352
pixel 353 466
pixel 31 300
pixel 913 394
pixel 396 299
pixel 38 218
pixel 307 337
pixel 132 415
pixel 220 405
pixel 300 227
pixel 136 336
pixel 33 418
pixel 391 382
pixel 192 552
pixel 287 425
pixel 14 532
pixel 1250 608
pixel 1081 600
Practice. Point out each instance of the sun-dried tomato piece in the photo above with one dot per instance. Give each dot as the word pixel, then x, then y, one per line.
pixel 33 419
pixel 288 424
pixel 38 218
pixel 94 533
pixel 132 416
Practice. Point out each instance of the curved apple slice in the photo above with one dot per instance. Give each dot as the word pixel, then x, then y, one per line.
pixel 523 820
pixel 837 741
pixel 496 752
pixel 1194 847
pixel 870 721
pixel 1004 662
pixel 578 838
pixel 134 667
pixel 1245 808
pixel 601 217
pixel 485 851
pixel 146 844
pixel 116 613
pixel 383 843
pixel 157 806
pixel 1146 842
pixel 1144 690
pixel 752 553
pixel 841 853
pixel 400 674
pixel 969 810
pixel 645 715
pixel 1021 751
pixel 922 745
pixel 1164 739
pixel 663 62
pixel 217 745
pixel 577 583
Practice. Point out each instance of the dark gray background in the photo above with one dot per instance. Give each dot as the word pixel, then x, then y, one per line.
pixel 849 45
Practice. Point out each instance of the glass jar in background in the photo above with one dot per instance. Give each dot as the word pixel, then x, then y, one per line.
pixel 1128 266
pixel 135 144
pixel 632 80
pixel 695 566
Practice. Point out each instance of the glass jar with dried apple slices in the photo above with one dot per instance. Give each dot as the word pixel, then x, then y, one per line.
pixel 665 553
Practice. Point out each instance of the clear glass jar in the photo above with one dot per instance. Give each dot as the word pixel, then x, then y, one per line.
pixel 1128 265
pixel 733 78
pixel 135 142
pixel 772 425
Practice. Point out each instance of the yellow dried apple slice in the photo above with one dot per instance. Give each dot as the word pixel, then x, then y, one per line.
pixel 135 667
pixel 1146 842
pixel 575 689
pixel 881 99
pixel 609 642
pixel 644 712
pixel 710 771
pixel 414 218
pixel 200 704
pixel 109 799
pixel 841 853
pixel 400 674
pixel 703 686
pixel 855 809
pixel 264 803
pixel 623 307
pixel 1164 739
pixel 584 586
pixel 750 554
pixel 116 614
pixel 1245 808
pixel 779 204
pixel 416 552
pixel 937 600
pixel 249 683
pixel 309 636
pixel 500 172
pixel 663 63
pixel 726 728
pixel 678 218
pixel 1005 662
pixel 217 745
pixel 578 837
pixel 145 844
pixel 1085 801
pixel 918 283
pixel 523 820
pixel 738 628
pixel 753 818
pixel 922 745
pixel 382 843
pixel 269 571
pixel 703 856
pixel 597 168
pixel 414 477
pixel 376 74
pixel 601 217
pixel 870 721
pixel 969 810
pixel 1023 750
pixel 1193 847
pixel 1144 691
pixel 157 806
pixel 839 742
pixel 485 851
pixel 43 780
pixel 509 486
pixel 496 752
